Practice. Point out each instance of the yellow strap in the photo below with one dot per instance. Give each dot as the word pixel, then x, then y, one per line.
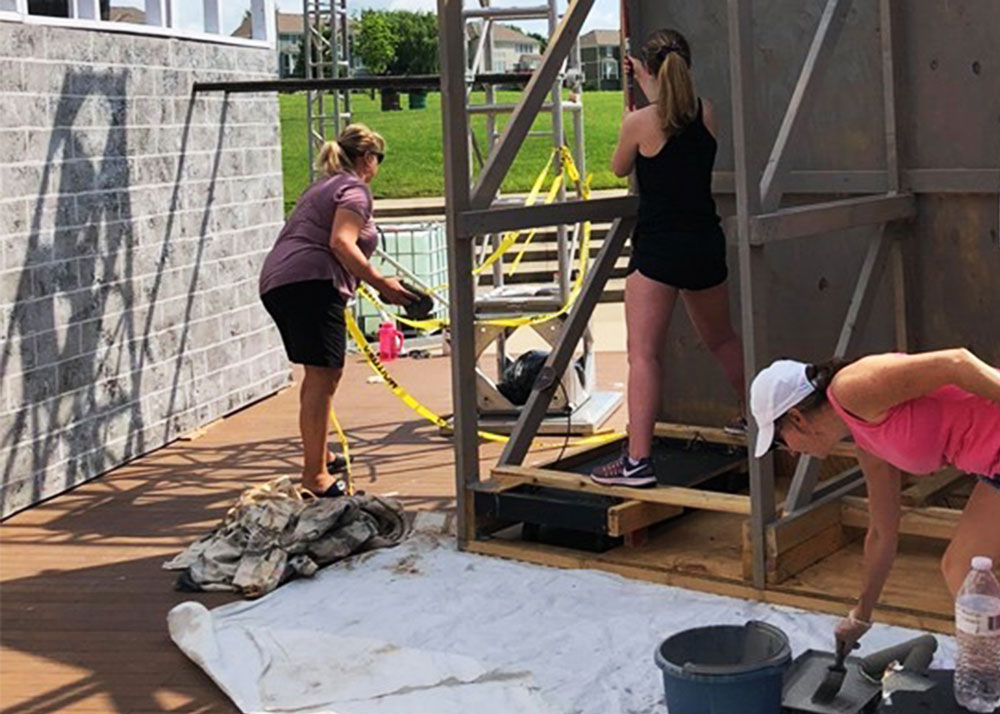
pixel 550 198
pixel 510 237
pixel 583 188
pixel 345 450
pixel 376 364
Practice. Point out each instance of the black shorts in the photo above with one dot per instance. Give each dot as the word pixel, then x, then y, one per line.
pixel 310 317
pixel 684 260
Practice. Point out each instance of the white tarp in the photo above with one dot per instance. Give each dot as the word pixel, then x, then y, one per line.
pixel 424 628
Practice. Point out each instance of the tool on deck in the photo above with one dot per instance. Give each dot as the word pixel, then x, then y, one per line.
pixel 834 679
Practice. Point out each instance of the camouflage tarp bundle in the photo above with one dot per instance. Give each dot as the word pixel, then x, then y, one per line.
pixel 276 532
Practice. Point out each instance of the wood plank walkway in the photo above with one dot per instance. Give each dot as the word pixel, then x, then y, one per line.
pixel 83 599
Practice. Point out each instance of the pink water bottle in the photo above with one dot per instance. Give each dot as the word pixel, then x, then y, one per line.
pixel 390 341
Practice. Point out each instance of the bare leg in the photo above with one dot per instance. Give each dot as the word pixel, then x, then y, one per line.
pixel 976 534
pixel 315 397
pixel 648 306
pixel 709 311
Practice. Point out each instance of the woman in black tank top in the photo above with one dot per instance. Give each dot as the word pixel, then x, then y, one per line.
pixel 678 247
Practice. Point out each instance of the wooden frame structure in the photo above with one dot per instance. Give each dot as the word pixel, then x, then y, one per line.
pixel 817 517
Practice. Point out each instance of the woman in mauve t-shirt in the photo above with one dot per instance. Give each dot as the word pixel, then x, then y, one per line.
pixel 906 413
pixel 310 274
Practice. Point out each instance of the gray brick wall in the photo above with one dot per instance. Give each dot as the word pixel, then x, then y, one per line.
pixel 133 221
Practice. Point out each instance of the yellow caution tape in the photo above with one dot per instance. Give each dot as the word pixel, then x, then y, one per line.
pixel 583 189
pixel 345 450
pixel 510 237
pixel 557 183
pixel 409 400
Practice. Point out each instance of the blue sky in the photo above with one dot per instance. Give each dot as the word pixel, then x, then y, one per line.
pixel 603 16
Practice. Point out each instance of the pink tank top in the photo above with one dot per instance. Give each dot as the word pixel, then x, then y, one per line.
pixel 922 435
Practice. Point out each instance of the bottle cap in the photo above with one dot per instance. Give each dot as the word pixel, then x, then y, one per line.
pixel 981 562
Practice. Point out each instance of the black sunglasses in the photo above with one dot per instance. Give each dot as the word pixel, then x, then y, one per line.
pixel 379 156
pixel 778 442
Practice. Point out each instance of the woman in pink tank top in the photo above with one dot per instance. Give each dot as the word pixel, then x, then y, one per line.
pixel 906 413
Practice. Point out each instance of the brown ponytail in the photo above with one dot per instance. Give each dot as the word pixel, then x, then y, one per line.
pixel 354 141
pixel 667 55
pixel 821 376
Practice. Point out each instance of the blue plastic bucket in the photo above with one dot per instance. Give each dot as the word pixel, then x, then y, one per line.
pixel 725 669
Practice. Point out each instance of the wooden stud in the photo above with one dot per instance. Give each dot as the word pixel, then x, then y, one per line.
pixel 925 488
pixel 929 522
pixel 633 515
pixel 815 218
pixel 670 495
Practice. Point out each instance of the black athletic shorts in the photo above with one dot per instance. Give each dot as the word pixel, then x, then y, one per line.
pixel 310 317
pixel 685 260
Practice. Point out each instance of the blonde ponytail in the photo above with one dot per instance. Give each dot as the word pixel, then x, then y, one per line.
pixel 332 159
pixel 355 140
pixel 677 104
pixel 667 56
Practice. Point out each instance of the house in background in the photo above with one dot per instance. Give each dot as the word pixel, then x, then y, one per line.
pixel 601 56
pixel 513 51
pixel 290 30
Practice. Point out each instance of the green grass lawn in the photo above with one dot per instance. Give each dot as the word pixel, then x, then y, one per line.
pixel 414 159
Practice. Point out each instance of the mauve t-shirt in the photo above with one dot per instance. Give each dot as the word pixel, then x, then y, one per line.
pixel 302 251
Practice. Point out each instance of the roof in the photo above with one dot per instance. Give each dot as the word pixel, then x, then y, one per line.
pixel 285 23
pixel 127 14
pixel 601 38
pixel 501 33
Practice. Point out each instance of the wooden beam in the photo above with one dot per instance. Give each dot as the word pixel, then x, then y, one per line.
pixel 632 515
pixel 520 122
pixel 572 330
pixel 716 435
pixel 865 290
pixel 795 544
pixel 670 495
pixel 925 488
pixel 927 521
pixel 887 33
pixel 818 218
pixel 497 220
pixel 752 262
pixel 813 69
pixel 451 40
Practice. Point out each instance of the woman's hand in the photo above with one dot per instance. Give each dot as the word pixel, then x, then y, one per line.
pixel 851 629
pixel 393 292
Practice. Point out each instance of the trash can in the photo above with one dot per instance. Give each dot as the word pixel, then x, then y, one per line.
pixel 418 98
pixel 725 669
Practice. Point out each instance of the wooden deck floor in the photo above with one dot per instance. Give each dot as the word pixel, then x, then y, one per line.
pixel 83 599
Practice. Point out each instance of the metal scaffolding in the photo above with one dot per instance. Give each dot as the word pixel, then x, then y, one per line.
pixel 577 397
pixel 326 52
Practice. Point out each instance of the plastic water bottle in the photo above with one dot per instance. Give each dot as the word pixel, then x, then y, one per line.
pixel 977 630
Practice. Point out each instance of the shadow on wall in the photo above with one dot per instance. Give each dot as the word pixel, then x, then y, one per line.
pixel 86 323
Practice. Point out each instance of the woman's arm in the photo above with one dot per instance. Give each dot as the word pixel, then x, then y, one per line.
pixel 623 160
pixel 873 385
pixel 884 482
pixel 881 541
pixel 344 235
pixel 708 116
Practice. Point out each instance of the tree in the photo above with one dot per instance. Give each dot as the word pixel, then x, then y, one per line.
pixel 542 40
pixel 376 45
pixel 398 42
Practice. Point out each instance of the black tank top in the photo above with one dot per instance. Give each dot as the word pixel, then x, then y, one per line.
pixel 675 186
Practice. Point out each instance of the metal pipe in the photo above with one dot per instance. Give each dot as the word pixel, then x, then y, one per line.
pixel 413 81
pixel 538 12
pixel 558 140
pixel 489 108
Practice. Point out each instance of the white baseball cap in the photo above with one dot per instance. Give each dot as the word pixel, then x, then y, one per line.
pixel 774 391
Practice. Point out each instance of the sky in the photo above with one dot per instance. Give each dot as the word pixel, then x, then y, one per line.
pixel 603 16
